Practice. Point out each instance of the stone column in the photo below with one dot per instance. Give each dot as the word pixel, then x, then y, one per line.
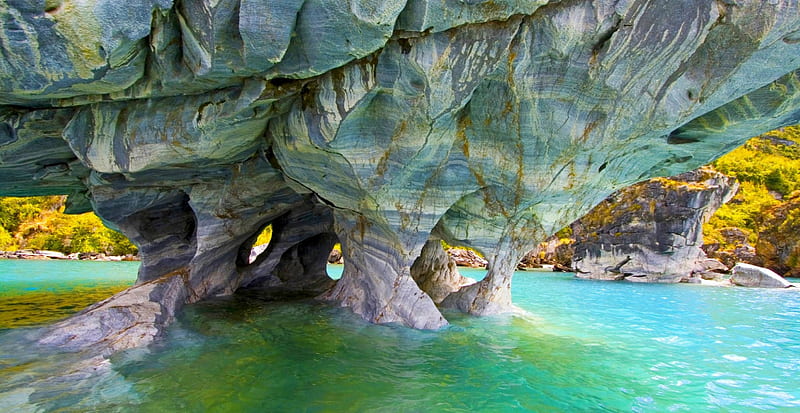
pixel 158 221
pixel 376 283
pixel 491 295
pixel 503 238
pixel 436 273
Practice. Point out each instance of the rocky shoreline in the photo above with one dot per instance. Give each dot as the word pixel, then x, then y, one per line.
pixel 55 255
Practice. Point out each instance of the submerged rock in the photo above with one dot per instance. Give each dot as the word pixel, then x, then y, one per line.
pixel 747 275
pixel 192 125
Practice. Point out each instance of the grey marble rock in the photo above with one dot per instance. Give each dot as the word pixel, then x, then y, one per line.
pixel 436 273
pixel 653 231
pixel 294 262
pixel 192 125
pixel 747 275
pixel 131 318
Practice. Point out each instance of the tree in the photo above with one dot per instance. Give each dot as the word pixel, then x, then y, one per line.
pixel 39 223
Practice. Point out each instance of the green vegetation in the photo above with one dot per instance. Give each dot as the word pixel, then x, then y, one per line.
pixel 766 162
pixel 39 223
pixel 768 169
pixel 265 236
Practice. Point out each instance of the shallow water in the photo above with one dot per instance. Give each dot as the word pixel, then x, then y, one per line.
pixel 581 346
pixel 39 291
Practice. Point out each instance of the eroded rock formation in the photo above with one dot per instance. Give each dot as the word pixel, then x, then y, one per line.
pixel 191 125
pixel 435 272
pixel 653 231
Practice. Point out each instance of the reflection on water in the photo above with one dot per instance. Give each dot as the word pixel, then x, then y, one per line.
pixel 36 307
pixel 42 291
pixel 583 346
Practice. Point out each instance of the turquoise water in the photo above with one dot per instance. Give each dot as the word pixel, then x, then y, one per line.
pixel 579 346
pixel 34 292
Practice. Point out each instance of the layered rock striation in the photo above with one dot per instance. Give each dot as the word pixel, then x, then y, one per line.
pixel 192 125
pixel 652 231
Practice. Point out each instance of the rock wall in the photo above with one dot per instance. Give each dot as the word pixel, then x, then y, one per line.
pixel 778 246
pixel 435 272
pixel 191 125
pixel 651 232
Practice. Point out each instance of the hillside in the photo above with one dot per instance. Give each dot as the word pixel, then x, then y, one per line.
pixel 39 223
pixel 759 225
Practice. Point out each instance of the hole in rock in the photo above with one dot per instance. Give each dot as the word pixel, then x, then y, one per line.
pixel 308 260
pixel 405 46
pixel 271 158
pixel 7 134
pixel 281 81
pixel 255 247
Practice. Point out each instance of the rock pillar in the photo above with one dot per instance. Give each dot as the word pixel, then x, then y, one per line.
pixel 436 272
pixel 376 282
pixel 501 237
pixel 491 295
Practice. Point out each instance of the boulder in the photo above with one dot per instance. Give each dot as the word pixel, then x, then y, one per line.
pixel 54 255
pixel 747 275
pixel 335 257
pixel 709 264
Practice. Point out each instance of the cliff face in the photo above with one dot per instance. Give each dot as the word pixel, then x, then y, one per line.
pixel 192 125
pixel 779 239
pixel 651 232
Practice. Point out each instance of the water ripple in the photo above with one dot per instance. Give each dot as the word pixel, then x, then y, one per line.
pixel 580 346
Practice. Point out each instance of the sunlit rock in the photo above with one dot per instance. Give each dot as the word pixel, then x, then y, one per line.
pixel 747 275
pixel 436 273
pixel 653 231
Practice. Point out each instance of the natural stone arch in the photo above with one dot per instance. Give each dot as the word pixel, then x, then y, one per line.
pixel 395 117
pixel 294 262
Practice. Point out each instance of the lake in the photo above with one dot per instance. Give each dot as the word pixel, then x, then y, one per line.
pixel 579 346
